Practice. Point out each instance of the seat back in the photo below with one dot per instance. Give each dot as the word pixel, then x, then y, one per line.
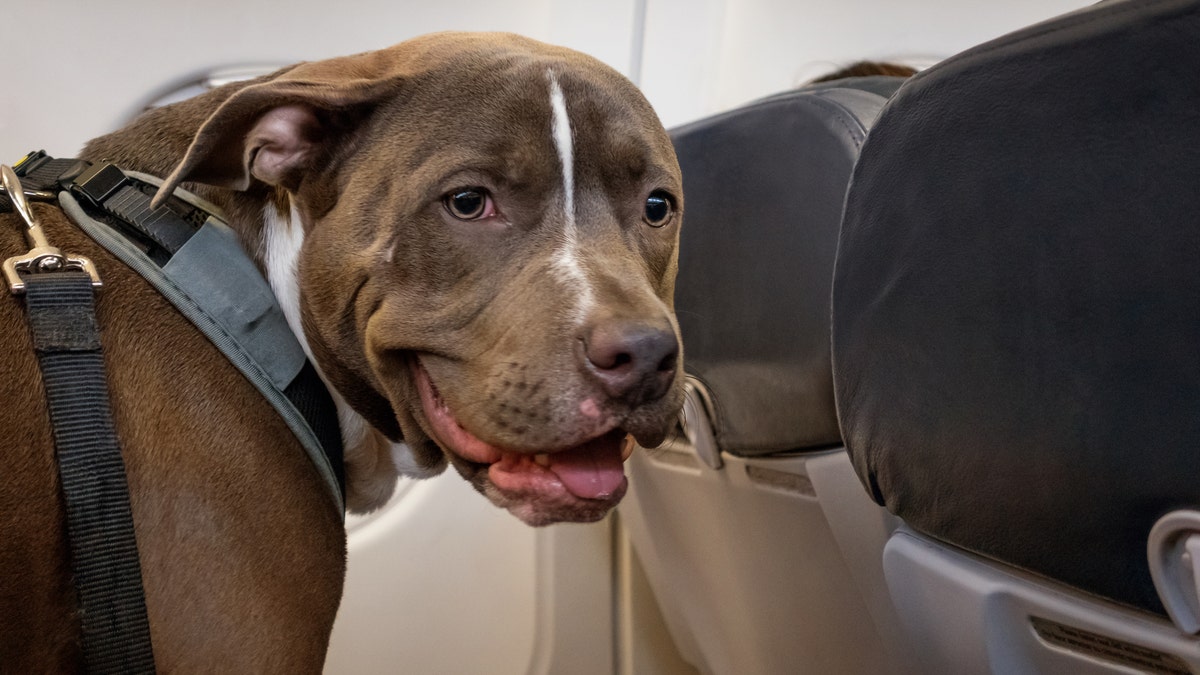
pixel 732 520
pixel 764 187
pixel 1016 305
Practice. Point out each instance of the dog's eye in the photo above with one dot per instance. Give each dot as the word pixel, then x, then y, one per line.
pixel 469 204
pixel 659 209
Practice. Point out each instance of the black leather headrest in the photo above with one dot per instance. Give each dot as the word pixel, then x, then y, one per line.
pixel 1016 320
pixel 763 188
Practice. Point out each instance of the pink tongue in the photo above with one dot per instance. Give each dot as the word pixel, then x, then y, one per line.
pixel 591 471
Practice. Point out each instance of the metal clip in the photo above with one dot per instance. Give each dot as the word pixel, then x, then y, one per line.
pixel 695 418
pixel 42 258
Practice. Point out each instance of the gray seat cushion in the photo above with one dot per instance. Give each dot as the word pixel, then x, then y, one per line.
pixel 1016 319
pixel 763 188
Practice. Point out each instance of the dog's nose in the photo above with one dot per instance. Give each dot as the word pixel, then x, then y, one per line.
pixel 633 361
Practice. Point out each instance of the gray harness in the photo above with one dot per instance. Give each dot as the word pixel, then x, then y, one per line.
pixel 190 255
pixel 185 250
pixel 212 282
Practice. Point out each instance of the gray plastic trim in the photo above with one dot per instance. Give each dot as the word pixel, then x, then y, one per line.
pixel 696 420
pixel 1174 555
pixel 965 614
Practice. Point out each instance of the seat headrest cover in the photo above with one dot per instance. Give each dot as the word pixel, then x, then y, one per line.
pixel 1016 305
pixel 764 187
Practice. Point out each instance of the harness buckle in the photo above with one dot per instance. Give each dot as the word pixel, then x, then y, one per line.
pixel 42 258
pixel 99 182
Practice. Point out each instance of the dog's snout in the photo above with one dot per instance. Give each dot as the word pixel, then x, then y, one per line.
pixel 633 361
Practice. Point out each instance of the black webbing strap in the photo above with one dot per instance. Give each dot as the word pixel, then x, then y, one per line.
pixel 43 172
pixel 39 171
pixel 108 188
pixel 160 225
pixel 122 202
pixel 310 396
pixel 104 557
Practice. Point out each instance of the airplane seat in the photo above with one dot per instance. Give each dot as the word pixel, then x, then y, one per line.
pixel 1016 323
pixel 731 519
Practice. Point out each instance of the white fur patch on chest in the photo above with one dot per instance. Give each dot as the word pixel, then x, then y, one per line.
pixel 283 238
pixel 567 258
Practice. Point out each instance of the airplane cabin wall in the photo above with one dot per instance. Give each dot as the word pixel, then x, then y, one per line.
pixel 78 69
pixel 704 56
pixel 95 65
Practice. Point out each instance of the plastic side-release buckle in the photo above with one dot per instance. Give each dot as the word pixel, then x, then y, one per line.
pixel 99 182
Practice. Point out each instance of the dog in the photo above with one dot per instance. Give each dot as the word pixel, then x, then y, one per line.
pixel 474 237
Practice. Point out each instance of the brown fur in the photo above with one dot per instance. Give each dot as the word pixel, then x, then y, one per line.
pixel 242 557
pixel 239 547
pixel 866 69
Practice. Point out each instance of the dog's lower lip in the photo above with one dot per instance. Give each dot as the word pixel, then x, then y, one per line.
pixel 591 470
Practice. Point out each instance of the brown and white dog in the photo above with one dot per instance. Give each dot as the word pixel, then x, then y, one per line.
pixel 475 238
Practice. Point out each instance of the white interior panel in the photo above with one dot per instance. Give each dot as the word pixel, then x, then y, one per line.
pixel 705 56
pixel 745 567
pixel 862 528
pixel 443 582
pixel 90 66
pixel 444 594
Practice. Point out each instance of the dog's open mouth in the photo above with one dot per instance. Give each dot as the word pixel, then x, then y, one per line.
pixel 578 483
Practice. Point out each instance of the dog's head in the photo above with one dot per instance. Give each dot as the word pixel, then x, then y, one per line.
pixel 491 231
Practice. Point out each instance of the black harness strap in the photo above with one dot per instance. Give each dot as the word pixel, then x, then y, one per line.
pixel 59 301
pixel 123 203
pixel 109 189
pixel 104 557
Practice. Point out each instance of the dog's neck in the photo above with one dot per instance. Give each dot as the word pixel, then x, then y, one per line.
pixel 372 462
pixel 271 231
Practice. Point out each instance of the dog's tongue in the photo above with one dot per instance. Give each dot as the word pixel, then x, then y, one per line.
pixel 591 471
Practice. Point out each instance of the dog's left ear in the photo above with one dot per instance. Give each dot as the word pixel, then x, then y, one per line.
pixel 275 131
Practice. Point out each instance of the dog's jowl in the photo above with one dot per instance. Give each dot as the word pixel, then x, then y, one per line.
pixel 474 238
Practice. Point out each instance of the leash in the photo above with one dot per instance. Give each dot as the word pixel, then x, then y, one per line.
pixel 58 292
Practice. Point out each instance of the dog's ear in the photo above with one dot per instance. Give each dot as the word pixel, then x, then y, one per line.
pixel 276 130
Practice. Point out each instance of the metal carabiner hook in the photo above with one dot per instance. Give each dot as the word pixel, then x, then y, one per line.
pixel 42 257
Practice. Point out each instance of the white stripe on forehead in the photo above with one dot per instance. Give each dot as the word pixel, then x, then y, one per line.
pixel 560 129
pixel 566 259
